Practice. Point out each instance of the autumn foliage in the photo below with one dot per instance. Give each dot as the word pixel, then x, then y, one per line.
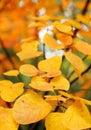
pixel 45 65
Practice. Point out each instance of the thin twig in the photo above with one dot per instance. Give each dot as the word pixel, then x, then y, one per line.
pixel 85 7
pixel 89 67
pixel 7 54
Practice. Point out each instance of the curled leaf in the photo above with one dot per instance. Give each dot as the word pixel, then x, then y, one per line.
pixel 28 70
pixel 30 108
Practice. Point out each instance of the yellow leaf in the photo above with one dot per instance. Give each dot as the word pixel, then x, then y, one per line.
pixel 40 83
pixel 11 73
pixel 31 46
pixel 28 70
pixel 54 121
pixel 83 19
pixel 60 82
pixel 75 61
pixel 63 27
pixel 74 23
pixel 51 64
pixel 4 84
pixel 28 54
pixel 52 43
pixel 52 74
pixel 30 108
pixel 77 116
pixel 83 47
pixel 6 120
pixel 10 93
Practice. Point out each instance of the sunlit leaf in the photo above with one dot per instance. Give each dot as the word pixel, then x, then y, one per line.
pixel 64 38
pixel 28 70
pixel 28 54
pixel 11 73
pixel 54 121
pixel 60 82
pixel 10 93
pixel 77 116
pixel 32 46
pixel 4 84
pixel 51 64
pixel 83 47
pixel 52 74
pixel 30 108
pixel 75 61
pixel 74 23
pixel 40 83
pixel 6 120
pixel 83 19
pixel 63 27
pixel 52 43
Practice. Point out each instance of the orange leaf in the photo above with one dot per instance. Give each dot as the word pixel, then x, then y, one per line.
pixel 11 73
pixel 75 61
pixel 28 70
pixel 52 43
pixel 51 64
pixel 30 108
pixel 63 27
pixel 39 83
pixel 83 47
pixel 60 82
pixel 77 116
pixel 54 121
pixel 10 93
pixel 6 120
pixel 65 38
